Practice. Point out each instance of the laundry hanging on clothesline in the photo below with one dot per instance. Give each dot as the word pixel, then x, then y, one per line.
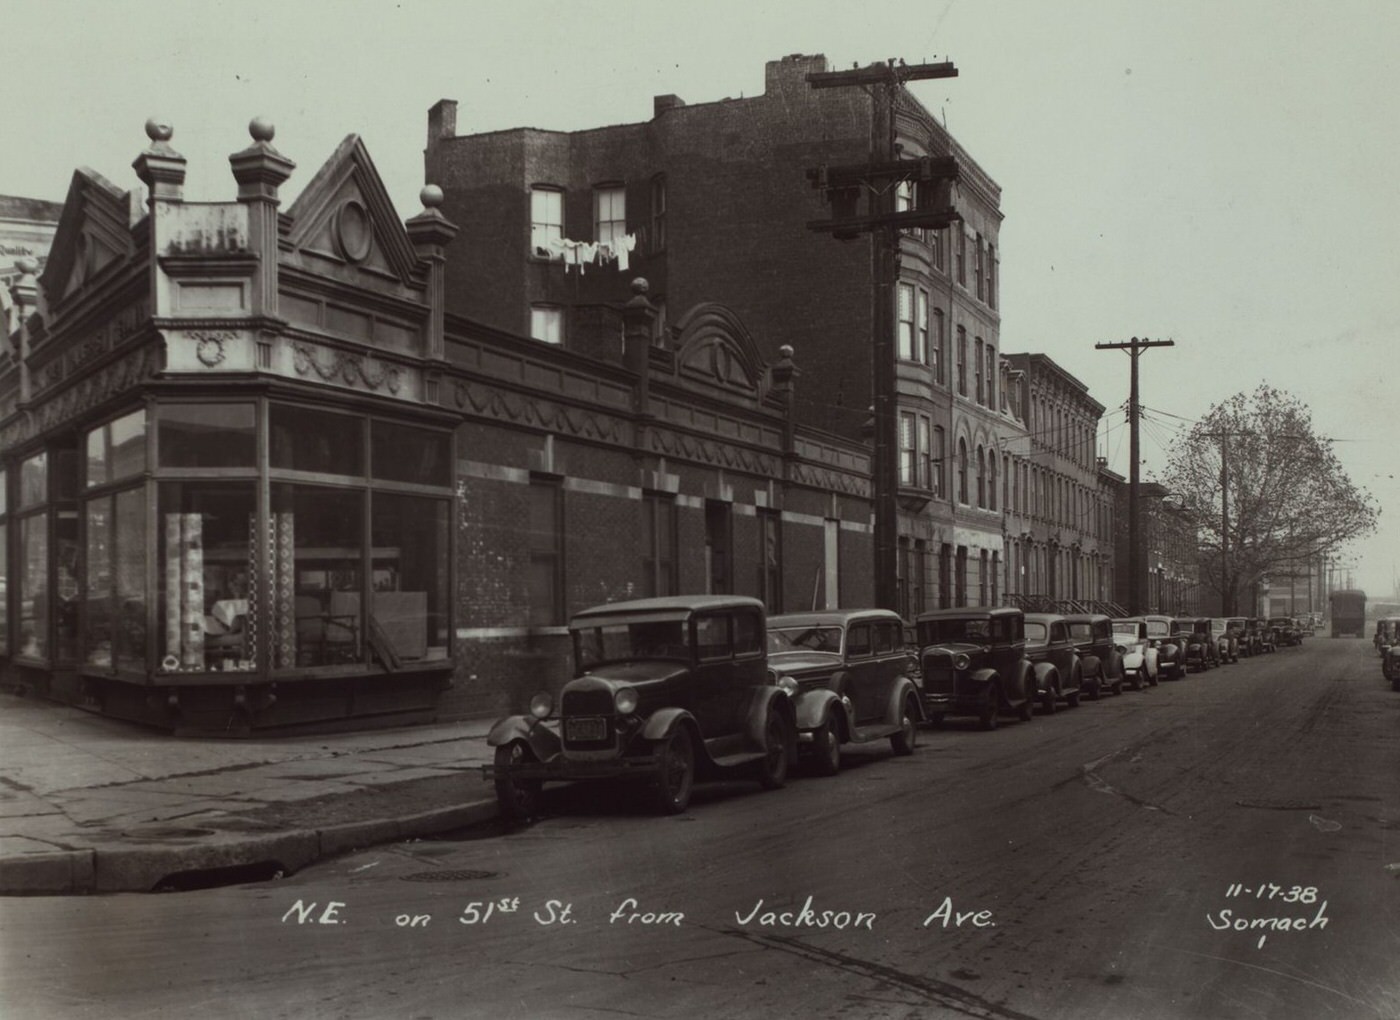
pixel 587 253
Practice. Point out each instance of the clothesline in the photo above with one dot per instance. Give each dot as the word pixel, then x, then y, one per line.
pixel 586 253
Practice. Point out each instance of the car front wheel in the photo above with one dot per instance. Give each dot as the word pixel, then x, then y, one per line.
pixel 675 772
pixel 773 769
pixel 518 799
pixel 826 748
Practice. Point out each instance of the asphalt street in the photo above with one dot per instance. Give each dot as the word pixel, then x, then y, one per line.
pixel 1218 847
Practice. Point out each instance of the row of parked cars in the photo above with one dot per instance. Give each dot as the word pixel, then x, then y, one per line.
pixel 1387 642
pixel 668 691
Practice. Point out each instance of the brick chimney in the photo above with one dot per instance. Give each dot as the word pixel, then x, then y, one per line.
pixel 791 71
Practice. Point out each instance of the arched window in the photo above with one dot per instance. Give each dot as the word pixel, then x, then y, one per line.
pixel 981 478
pixel 991 480
pixel 962 470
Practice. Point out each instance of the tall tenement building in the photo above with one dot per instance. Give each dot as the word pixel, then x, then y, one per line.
pixel 711 204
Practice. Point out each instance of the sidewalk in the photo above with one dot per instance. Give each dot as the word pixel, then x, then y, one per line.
pixel 89 804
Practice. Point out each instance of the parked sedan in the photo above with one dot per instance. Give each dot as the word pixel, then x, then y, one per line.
pixel 974 663
pixel 1099 656
pixel 1055 660
pixel 1139 656
pixel 1201 649
pixel 1168 635
pixel 850 679
pixel 1228 632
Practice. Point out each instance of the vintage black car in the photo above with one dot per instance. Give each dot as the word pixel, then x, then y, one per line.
pixel 1285 631
pixel 850 678
pixel 1268 640
pixel 1099 656
pixel 1201 650
pixel 1252 642
pixel 1387 633
pixel 1390 665
pixel 1139 655
pixel 1055 661
pixel 665 690
pixel 974 663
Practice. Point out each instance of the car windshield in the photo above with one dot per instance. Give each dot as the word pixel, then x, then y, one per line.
pixel 1037 633
pixel 616 642
pixel 1081 631
pixel 975 630
pixel 809 639
pixel 1127 630
pixel 1158 628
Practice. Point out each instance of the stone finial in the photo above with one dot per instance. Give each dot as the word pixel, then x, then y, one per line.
pixel 260 129
pixel 27 265
pixel 431 196
pixel 260 169
pixel 430 231
pixel 160 167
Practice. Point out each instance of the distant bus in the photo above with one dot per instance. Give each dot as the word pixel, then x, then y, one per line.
pixel 1348 613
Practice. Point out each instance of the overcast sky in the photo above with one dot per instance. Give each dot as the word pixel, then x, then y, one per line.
pixel 1219 173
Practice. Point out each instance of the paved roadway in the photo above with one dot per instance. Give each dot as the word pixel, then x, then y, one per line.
pixel 1078 866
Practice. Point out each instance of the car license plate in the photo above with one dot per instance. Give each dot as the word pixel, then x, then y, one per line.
pixel 586 728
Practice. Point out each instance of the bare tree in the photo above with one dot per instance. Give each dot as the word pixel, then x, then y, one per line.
pixel 1286 498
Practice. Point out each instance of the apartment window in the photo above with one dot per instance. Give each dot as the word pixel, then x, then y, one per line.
pixel 945 576
pixel 991 480
pixel 981 478
pixel 960 577
pixel 991 376
pixel 658 212
pixel 938 347
pixel 905 326
pixel 545 539
pixel 547 323
pixel 770 569
pixel 907 447
pixel 659 544
pixel 921 338
pixel 904 196
pixel 719 546
pixel 546 221
pixel 991 277
pixel 936 243
pixel 923 467
pixel 962 471
pixel 982 578
pixel 962 361
pixel 980 269
pixel 996 571
pixel 609 214
pixel 939 459
pixel 961 260
pixel 977 371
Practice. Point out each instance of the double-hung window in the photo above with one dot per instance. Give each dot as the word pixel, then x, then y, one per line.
pixel 609 213
pixel 546 221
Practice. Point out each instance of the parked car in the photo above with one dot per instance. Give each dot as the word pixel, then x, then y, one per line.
pixel 1390 665
pixel 1201 649
pixel 851 678
pixel 1099 657
pixel 1285 633
pixel 665 690
pixel 1268 639
pixel 1139 656
pixel 1387 633
pixel 974 663
pixel 1228 632
pixel 1168 635
pixel 1055 660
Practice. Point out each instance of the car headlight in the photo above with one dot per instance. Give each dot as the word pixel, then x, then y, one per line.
pixel 786 684
pixel 625 700
pixel 961 661
pixel 542 705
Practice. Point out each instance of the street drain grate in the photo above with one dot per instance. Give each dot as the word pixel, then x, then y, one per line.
pixel 449 876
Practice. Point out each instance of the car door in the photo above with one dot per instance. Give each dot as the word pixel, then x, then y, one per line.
pixel 1062 652
pixel 890 664
pixel 860 667
pixel 716 694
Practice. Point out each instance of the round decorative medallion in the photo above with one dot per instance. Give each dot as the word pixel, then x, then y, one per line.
pixel 209 349
pixel 354 234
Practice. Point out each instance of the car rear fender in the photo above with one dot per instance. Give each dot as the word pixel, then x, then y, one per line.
pixel 1090 665
pixel 903 692
pixel 661 723
pixel 541 739
pixel 1045 674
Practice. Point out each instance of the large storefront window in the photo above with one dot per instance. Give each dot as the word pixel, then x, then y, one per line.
pixel 33 637
pixel 317 575
pixel 33 481
pixel 208 435
pixel 303 439
pixel 403 453
pixel 114 622
pixel 117 449
pixel 207 570
pixel 409 575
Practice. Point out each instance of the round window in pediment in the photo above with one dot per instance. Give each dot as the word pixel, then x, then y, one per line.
pixel 354 234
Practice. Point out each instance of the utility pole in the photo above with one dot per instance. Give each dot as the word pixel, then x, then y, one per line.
pixel 1136 567
pixel 933 209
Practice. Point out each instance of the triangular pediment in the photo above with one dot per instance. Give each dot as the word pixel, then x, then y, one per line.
pixel 345 215
pixel 92 234
pixel 715 348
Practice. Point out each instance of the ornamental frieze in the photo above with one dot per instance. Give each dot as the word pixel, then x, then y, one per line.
pixel 710 451
pixel 345 367
pixel 538 412
pixel 828 480
pixel 79 353
pixel 87 393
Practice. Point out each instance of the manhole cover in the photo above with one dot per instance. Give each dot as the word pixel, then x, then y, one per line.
pixel 448 876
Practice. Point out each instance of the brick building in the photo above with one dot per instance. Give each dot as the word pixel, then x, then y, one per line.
pixel 1171 553
pixel 710 202
pixel 1060 517
pixel 256 476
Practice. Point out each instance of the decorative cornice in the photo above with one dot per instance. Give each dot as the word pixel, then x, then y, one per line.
pixel 348 367
pixel 71 356
pixel 95 388
pixel 538 412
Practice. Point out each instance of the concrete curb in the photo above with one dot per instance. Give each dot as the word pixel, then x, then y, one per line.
pixel 140 869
